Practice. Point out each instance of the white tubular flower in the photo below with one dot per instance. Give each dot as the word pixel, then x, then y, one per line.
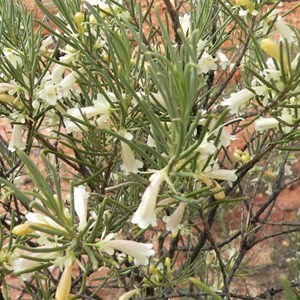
pixel 185 24
pixel 7 87
pixel 24 265
pixel 221 174
pixel 13 57
pixel 236 100
pixel 288 117
pixel 206 63
pixel 103 122
pixel 129 294
pixel 173 221
pixel 226 137
pixel 130 164
pixel 80 202
pixel 223 60
pixel 46 43
pixel 16 140
pixel 64 261
pixel 262 124
pixel 100 107
pixel 57 73
pixel 40 220
pixel 145 214
pixel 101 104
pixel 105 8
pixel 285 31
pixel 200 46
pixel 139 251
pixel 67 83
pixel 78 112
pixel 50 93
pixel 207 147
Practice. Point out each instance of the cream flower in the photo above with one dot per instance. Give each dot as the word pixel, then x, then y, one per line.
pixel 185 23
pixel 39 220
pixel 8 87
pixel 249 5
pixel 139 251
pixel 226 137
pixel 262 124
pixel 13 57
pixel 67 83
pixel 46 43
pixel 287 115
pixel 57 73
pixel 130 164
pixel 285 31
pixel 207 147
pixel 221 174
pixel 100 107
pixel 206 63
pixel 103 6
pixel 223 60
pixel 80 202
pixel 236 100
pixel 173 221
pixel 16 140
pixel 50 93
pixel 145 214
pixel 25 266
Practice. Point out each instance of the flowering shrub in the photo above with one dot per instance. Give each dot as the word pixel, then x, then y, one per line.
pixel 133 118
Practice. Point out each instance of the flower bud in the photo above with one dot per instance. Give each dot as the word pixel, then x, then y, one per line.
pixel 79 18
pixel 269 176
pixel 273 50
pixel 16 139
pixel 262 124
pixel 64 285
pixel 129 294
pixel 215 187
pixel 247 3
pixel 23 229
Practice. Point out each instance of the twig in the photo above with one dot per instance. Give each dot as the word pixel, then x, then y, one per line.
pixel 218 255
pixel 273 291
pixel 233 70
pixel 274 235
pixel 175 20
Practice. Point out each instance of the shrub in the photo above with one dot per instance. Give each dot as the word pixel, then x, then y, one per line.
pixel 125 119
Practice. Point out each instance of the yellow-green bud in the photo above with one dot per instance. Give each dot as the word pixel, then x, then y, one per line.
pixel 10 99
pixel 247 3
pixel 23 229
pixel 64 285
pixel 273 50
pixel 79 18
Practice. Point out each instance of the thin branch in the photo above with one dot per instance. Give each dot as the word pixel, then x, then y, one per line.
pixel 218 255
pixel 273 291
pixel 175 20
pixel 275 234
pixel 233 70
